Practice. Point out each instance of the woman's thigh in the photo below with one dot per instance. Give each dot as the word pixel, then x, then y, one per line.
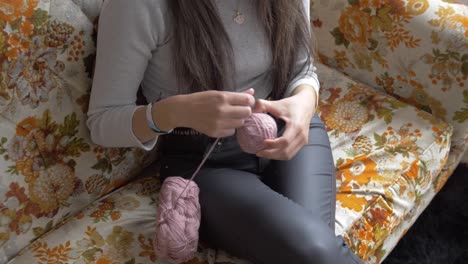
pixel 309 178
pixel 245 217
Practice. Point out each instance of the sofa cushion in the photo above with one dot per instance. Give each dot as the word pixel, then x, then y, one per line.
pixel 49 167
pixel 388 156
pixel 415 50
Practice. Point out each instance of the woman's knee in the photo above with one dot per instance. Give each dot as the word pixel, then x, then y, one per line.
pixel 319 245
pixel 314 250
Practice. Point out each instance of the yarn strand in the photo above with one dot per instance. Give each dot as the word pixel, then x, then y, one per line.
pixel 198 169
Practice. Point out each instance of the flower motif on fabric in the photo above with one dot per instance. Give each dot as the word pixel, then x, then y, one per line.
pixel 43 152
pixel 369 27
pixel 93 248
pixel 31 47
pixel 356 108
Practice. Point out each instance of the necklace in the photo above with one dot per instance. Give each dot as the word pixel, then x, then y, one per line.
pixel 239 18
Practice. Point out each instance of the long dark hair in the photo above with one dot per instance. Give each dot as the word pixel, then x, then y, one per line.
pixel 203 52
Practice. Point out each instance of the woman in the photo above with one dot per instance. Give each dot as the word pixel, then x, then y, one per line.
pixel 195 61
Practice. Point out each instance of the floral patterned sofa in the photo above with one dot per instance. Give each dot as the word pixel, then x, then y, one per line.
pixel 394 97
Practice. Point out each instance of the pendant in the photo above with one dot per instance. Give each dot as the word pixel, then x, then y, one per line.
pixel 239 18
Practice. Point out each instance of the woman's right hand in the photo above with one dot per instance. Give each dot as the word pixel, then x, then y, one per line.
pixel 216 113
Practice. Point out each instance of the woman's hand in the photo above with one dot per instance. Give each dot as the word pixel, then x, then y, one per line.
pixel 296 111
pixel 216 113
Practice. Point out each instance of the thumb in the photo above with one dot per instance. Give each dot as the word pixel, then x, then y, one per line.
pixel 260 106
pixel 265 106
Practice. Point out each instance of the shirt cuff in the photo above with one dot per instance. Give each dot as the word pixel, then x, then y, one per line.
pixel 148 145
pixel 309 81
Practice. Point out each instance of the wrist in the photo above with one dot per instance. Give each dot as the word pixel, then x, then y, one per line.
pixel 308 92
pixel 165 113
pixel 180 115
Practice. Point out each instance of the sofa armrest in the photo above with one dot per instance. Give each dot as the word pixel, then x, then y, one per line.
pixel 415 50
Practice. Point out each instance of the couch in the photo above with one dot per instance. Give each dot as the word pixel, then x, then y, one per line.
pixel 394 98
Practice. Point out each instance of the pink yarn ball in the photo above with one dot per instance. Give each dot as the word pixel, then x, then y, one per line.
pixel 256 129
pixel 176 237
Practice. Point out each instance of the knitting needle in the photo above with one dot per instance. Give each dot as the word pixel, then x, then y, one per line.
pixel 198 169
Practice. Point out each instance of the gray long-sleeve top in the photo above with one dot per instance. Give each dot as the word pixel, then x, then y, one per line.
pixel 134 48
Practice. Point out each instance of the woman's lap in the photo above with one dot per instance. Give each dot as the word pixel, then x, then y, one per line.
pixel 273 212
pixel 247 218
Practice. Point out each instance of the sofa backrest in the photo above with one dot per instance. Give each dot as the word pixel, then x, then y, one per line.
pixel 49 168
pixel 415 50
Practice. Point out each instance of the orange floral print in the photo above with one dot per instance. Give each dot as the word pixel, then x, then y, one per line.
pixel 417 7
pixel 106 260
pixel 27 28
pixel 53 187
pixel 115 215
pixel 10 10
pixel 342 60
pixel 106 210
pixel 46 254
pixel 16 45
pixel 363 233
pixel 363 248
pixel 372 3
pixel 463 20
pixel 26 168
pixel 347 116
pixel 357 171
pixel 379 216
pixel 147 249
pixel 355 25
pixel 351 201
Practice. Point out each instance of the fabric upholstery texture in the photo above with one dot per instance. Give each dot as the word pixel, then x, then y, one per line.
pixel 394 99
pixel 50 170
pixel 414 50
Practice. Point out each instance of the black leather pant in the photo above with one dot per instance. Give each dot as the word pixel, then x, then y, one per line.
pixel 266 211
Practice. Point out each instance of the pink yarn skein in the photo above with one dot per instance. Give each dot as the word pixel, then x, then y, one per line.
pixel 256 129
pixel 176 236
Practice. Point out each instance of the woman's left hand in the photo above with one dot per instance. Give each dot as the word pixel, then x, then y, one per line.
pixel 296 111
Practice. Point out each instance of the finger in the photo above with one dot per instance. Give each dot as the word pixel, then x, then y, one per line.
pixel 250 91
pixel 229 124
pixel 293 149
pixel 289 135
pixel 281 153
pixel 242 99
pixel 299 142
pixel 257 108
pixel 277 143
pixel 235 112
pixel 276 108
pixel 285 147
pixel 261 106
